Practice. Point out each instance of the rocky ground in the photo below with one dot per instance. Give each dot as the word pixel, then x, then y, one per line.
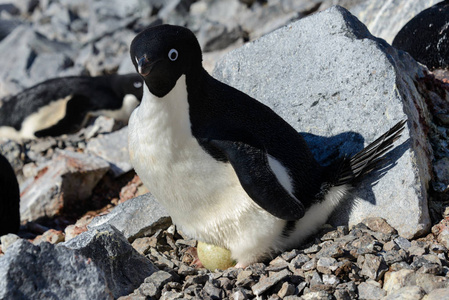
pixel 368 261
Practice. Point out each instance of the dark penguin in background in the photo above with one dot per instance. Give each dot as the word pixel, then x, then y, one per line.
pixel 426 37
pixel 229 170
pixel 62 105
pixel 9 199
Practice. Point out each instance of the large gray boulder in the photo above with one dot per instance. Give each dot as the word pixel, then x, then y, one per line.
pixel 342 87
pixel 124 268
pixel 98 264
pixel 49 272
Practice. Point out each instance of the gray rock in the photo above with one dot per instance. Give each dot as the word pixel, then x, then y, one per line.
pixel 428 282
pixel 313 78
pixel 287 289
pixel 374 267
pixel 113 148
pixel 152 286
pixel 403 243
pixel 326 265
pixel 369 291
pixel 50 272
pixel 437 294
pixel 41 70
pixel 13 64
pixel 7 240
pixel 407 293
pixel 107 17
pixel 267 282
pixel 124 268
pixel 12 151
pixel 64 182
pixel 140 216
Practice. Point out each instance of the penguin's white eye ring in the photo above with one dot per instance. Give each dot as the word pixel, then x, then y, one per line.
pixel 173 54
pixel 137 84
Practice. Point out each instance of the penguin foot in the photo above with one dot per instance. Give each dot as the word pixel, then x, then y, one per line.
pixel 241 265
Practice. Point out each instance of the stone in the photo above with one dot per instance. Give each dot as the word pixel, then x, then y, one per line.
pixel 140 216
pixel 326 265
pixel 287 289
pixel 437 294
pixel 63 183
pixel 407 293
pixel 38 272
pixel 319 295
pixel 403 243
pixel 212 291
pixel 50 236
pixel 374 267
pixel 124 268
pixel 299 261
pixel 396 280
pixel 113 148
pixel 379 225
pixel 153 285
pixel 369 291
pixel 333 57
pixel 267 282
pixel 7 240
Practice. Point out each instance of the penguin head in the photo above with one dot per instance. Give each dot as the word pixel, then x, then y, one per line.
pixel 161 54
pixel 128 84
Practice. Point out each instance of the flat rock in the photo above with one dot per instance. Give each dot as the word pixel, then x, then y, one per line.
pixel 124 268
pixel 140 216
pixel 342 88
pixel 407 293
pixel 113 148
pixel 63 182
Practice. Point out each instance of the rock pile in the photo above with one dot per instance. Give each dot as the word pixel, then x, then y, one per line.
pixel 368 262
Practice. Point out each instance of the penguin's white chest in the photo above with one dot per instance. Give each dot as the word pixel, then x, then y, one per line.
pixel 203 196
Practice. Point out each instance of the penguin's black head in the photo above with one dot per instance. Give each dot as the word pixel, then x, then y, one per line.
pixel 128 84
pixel 161 54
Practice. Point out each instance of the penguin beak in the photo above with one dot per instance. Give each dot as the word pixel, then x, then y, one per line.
pixel 143 66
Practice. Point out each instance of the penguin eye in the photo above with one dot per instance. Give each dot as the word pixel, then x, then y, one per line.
pixel 173 54
pixel 137 84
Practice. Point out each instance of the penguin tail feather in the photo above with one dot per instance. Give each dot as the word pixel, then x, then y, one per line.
pixel 369 159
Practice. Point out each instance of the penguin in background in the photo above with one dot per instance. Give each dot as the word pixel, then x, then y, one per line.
pixel 228 169
pixel 425 37
pixel 9 199
pixel 63 105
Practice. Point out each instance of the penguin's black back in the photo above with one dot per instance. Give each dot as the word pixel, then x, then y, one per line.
pixel 9 199
pixel 93 93
pixel 218 111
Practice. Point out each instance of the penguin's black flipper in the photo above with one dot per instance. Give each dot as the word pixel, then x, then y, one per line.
pixel 76 111
pixel 258 180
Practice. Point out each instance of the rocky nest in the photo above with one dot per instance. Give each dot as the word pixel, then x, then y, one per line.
pixel 370 261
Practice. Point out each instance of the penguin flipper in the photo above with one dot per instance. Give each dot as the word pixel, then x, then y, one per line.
pixel 258 179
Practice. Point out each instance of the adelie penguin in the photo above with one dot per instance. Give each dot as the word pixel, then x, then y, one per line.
pixel 229 170
pixel 63 105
